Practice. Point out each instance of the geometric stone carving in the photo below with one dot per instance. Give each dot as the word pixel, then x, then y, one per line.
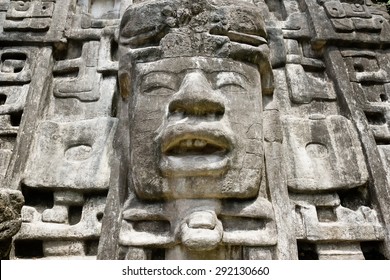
pixel 349 22
pixel 210 156
pixel 85 86
pixel 359 225
pixel 12 102
pixel 377 118
pixel 107 53
pixel 88 226
pixel 307 86
pixel 16 66
pixel 78 238
pixel 72 109
pixel 82 147
pixel 36 20
pixel 93 19
pixel 245 223
pixel 13 99
pixel 31 16
pixel 63 248
pixel 80 90
pixel 367 66
pixel 368 73
pixel 324 154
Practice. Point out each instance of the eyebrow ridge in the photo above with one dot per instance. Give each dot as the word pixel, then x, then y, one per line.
pixel 184 70
pixel 235 72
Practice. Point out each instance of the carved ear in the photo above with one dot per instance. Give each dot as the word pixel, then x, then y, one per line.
pixel 126 64
pixel 124 84
pixel 258 55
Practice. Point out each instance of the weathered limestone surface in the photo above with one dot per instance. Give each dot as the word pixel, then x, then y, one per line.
pixel 11 203
pixel 207 129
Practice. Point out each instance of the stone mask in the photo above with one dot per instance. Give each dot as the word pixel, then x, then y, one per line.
pixel 193 77
pixel 196 123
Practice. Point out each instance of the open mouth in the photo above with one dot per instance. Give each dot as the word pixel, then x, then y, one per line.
pixel 195 154
pixel 195 146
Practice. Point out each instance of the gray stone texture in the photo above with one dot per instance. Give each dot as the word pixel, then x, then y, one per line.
pixel 207 129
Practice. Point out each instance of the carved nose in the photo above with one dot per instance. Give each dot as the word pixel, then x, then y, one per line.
pixel 196 97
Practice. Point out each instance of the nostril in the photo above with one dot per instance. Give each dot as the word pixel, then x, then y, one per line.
pixel 206 109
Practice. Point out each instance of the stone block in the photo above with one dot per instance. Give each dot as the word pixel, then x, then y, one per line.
pixel 323 154
pixel 339 251
pixel 340 21
pixel 85 86
pixel 359 225
pixel 58 214
pixel 306 86
pixel 35 21
pixel 29 214
pixel 87 228
pixel 68 198
pixel 257 253
pixel 71 156
pixel 63 248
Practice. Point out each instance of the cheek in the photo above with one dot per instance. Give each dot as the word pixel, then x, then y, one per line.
pixel 149 113
pixel 244 110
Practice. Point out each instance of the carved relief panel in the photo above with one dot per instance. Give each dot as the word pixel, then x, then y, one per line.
pixel 16 69
pixel 73 135
pixel 315 118
pixel 349 21
pixel 194 114
pixel 33 21
pixel 208 129
pixel 369 75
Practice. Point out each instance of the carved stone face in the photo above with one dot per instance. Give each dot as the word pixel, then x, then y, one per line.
pixel 195 129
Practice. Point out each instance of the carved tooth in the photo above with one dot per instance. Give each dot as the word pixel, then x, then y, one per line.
pixel 189 143
pixel 200 143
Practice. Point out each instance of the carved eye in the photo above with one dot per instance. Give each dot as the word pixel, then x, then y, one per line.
pixel 157 88
pixel 231 87
pixel 230 82
pixel 159 83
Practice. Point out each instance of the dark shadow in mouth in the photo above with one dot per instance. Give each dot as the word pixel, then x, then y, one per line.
pixel 194 147
pixel 196 150
pixel 199 108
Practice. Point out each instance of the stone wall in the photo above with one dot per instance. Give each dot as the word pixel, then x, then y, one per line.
pixel 326 135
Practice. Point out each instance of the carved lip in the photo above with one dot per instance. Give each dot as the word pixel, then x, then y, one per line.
pixel 195 150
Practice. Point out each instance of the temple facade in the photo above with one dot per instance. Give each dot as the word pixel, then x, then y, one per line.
pixel 205 129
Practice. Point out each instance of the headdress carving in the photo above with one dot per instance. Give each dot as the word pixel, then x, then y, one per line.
pixel 155 30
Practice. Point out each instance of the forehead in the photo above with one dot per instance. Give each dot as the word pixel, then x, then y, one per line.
pixel 206 64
